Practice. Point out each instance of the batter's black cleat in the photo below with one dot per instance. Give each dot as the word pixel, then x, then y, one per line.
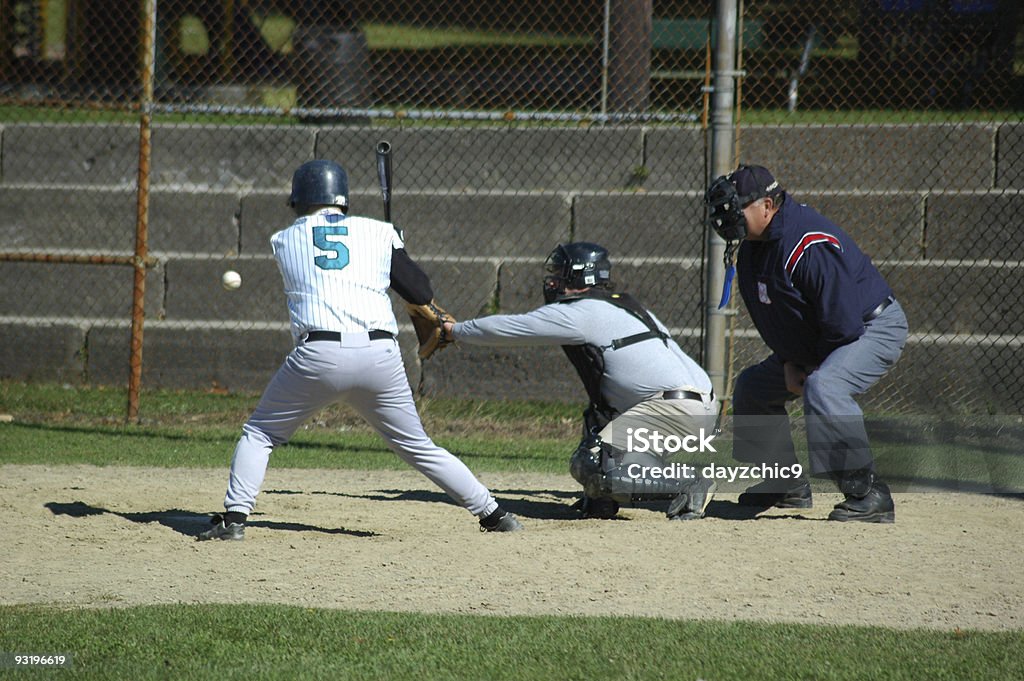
pixel 693 503
pixel 767 495
pixel 874 507
pixel 220 530
pixel 601 508
pixel 500 521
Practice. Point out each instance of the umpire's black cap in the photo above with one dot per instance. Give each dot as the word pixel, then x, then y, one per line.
pixel 753 183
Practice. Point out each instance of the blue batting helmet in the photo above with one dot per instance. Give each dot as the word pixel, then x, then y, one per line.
pixel 318 183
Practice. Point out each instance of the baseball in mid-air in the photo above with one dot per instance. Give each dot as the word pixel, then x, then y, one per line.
pixel 231 280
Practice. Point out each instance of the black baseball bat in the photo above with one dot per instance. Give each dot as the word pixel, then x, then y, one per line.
pixel 384 175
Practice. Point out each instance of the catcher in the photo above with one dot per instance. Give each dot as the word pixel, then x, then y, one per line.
pixel 336 270
pixel 636 376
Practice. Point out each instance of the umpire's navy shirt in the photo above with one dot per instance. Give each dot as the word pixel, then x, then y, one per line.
pixel 807 286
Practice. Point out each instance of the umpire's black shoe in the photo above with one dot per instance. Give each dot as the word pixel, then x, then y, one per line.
pixel 874 507
pixel 767 494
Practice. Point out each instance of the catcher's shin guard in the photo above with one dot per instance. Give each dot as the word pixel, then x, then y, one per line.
pixel 631 479
pixel 590 464
pixel 585 462
pixel 690 494
pixel 605 471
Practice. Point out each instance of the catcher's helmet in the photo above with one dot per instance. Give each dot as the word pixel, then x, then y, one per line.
pixel 730 194
pixel 577 265
pixel 318 183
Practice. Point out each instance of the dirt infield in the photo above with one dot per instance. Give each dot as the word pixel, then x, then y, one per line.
pixel 83 536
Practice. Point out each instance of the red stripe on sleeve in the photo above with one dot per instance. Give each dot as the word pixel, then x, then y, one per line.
pixel 808 240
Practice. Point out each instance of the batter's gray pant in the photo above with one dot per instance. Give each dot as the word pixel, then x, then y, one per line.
pixel 372 380
pixel 836 438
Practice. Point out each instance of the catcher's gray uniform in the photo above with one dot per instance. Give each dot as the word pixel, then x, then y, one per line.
pixel 650 384
pixel 633 374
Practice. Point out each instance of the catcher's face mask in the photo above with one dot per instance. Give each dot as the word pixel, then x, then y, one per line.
pixel 579 265
pixel 555 274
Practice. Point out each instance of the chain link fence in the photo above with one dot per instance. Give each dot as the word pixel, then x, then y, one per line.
pixel 147 147
pixel 918 153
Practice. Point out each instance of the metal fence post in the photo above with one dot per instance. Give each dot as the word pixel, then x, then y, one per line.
pixel 721 161
pixel 142 206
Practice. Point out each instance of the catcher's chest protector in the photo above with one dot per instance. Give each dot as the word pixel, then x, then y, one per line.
pixel 588 359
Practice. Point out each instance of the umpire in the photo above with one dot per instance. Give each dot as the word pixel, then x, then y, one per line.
pixel 636 378
pixel 834 328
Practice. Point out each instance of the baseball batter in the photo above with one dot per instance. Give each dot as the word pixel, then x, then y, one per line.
pixel 336 270
pixel 636 377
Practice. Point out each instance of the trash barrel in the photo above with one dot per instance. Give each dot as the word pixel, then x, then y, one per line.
pixel 332 70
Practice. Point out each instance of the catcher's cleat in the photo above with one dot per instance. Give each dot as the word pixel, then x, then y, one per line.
pixel 693 503
pixel 600 508
pixel 767 494
pixel 505 522
pixel 230 532
pixel 874 507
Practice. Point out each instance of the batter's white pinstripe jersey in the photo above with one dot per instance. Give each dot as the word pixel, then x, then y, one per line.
pixel 336 272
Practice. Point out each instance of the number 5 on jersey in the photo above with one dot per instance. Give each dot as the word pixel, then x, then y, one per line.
pixel 340 250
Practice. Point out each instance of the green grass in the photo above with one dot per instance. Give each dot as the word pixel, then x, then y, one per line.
pixel 277 30
pixel 284 98
pixel 873 117
pixel 281 642
pixel 65 402
pixel 55 424
pixel 273 97
pixel 212 447
pixel 402 36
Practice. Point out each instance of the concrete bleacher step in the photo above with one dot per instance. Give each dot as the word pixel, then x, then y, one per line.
pixel 480 209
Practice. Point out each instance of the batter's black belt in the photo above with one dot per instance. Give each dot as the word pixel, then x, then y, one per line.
pixel 376 334
pixel 684 395
pixel 880 309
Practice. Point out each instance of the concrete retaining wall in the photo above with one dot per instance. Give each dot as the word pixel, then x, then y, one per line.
pixel 935 206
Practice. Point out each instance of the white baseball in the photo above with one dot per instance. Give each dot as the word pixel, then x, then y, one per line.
pixel 231 280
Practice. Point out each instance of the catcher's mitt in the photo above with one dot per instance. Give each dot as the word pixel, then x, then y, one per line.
pixel 429 321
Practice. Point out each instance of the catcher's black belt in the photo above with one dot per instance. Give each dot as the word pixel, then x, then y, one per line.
pixel 880 309
pixel 376 334
pixel 685 395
